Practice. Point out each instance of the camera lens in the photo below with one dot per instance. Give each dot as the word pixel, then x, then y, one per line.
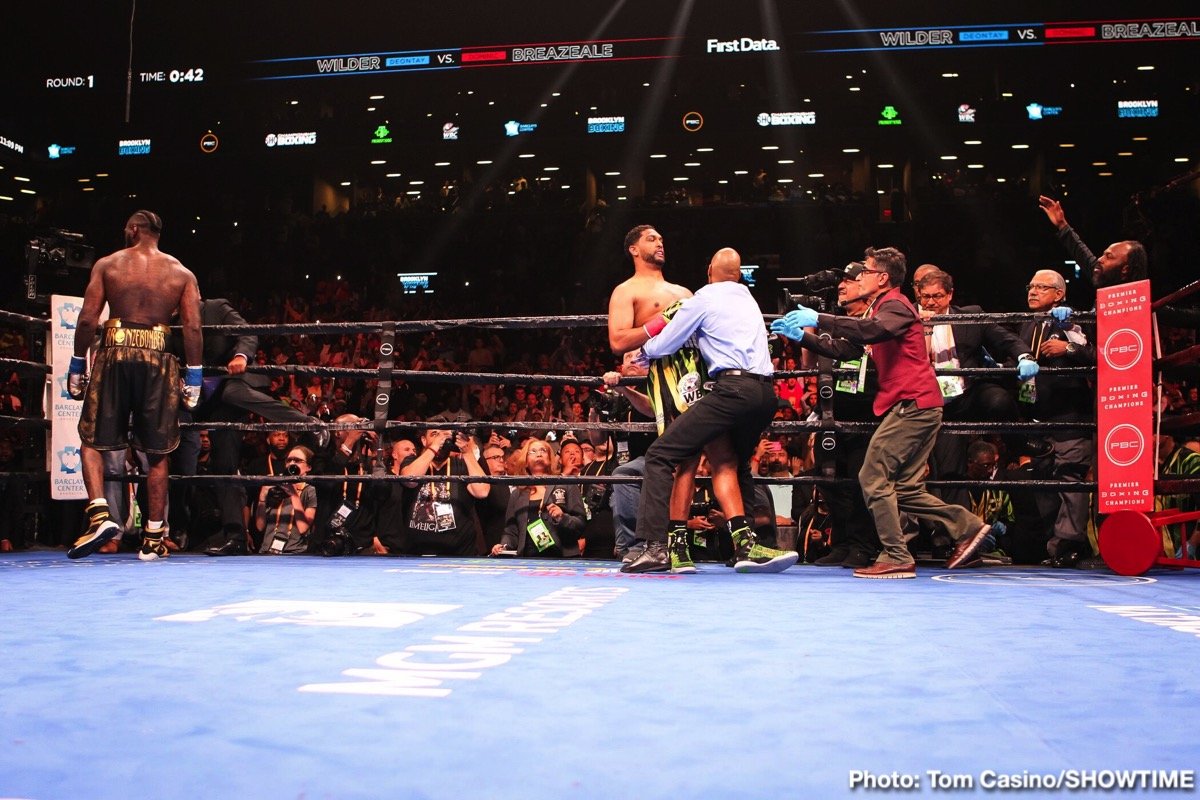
pixel 291 469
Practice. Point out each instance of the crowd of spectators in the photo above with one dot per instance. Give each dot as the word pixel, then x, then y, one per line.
pixel 300 285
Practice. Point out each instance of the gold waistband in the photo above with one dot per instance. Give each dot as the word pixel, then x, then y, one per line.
pixel 118 333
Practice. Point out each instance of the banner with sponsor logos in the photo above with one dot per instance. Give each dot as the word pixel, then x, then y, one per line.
pixel 1124 398
pixel 64 462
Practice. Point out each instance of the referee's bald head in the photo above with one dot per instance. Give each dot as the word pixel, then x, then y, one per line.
pixel 726 265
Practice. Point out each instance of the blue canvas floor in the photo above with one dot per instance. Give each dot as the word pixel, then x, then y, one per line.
pixel 302 677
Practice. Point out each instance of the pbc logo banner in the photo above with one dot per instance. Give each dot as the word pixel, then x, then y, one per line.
pixel 1124 393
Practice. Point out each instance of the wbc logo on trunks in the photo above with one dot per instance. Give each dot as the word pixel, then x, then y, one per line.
pixel 1123 349
pixel 1124 445
pixel 690 389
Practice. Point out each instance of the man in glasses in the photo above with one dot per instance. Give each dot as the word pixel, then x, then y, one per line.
pixel 493 508
pixel 910 403
pixel 855 543
pixel 1050 397
pixel 976 399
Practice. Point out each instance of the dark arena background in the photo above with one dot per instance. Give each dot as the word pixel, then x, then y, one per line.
pixel 359 164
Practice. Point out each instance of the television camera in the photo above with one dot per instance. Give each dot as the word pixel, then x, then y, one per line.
pixel 818 291
pixel 57 262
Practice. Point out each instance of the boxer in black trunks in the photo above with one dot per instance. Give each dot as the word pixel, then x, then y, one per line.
pixel 136 381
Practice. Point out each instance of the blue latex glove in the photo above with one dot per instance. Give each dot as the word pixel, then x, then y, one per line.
pixel 1027 368
pixel 1061 314
pixel 782 327
pixel 792 324
pixel 193 378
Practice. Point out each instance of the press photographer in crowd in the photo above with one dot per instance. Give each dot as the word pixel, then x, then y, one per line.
pixel 286 511
pixel 440 515
pixel 493 508
pixel 347 509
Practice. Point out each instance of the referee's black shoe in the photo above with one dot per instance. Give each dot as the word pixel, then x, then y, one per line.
pixel 655 558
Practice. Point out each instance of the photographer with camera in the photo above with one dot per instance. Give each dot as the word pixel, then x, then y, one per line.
pixel 599 534
pixel 286 511
pixel 347 511
pixel 441 515
pixel 493 508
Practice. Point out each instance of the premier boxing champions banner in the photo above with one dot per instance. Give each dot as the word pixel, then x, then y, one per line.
pixel 1124 398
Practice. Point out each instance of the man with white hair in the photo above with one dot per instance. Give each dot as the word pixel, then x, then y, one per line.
pixel 1057 342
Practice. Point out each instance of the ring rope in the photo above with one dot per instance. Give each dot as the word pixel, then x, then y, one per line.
pixel 561 321
pixel 22 319
pixel 1184 356
pixel 1179 294
pixel 409 326
pixel 31 422
pixel 1189 356
pixel 850 426
pixel 560 480
pixel 33 366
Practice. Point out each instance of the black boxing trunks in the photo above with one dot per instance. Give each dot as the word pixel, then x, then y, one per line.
pixel 134 387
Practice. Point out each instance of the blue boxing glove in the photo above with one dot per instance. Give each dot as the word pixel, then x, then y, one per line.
pixel 77 378
pixel 1027 368
pixel 793 323
pixel 193 378
pixel 998 528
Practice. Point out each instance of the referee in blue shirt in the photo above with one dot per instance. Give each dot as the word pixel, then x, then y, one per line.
pixel 728 328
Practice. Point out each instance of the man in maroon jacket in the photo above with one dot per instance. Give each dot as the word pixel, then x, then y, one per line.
pixel 909 403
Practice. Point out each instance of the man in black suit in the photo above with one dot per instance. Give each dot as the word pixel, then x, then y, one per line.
pixel 230 398
pixel 967 399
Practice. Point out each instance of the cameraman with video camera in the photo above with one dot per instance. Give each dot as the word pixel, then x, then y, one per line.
pixel 855 542
pixel 286 510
